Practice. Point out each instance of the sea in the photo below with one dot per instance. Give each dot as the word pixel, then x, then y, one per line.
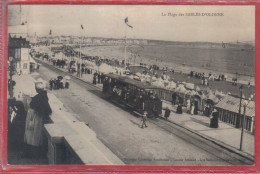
pixel 233 62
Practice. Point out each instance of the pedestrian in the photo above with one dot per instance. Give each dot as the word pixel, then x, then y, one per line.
pixel 144 118
pixel 102 77
pixel 67 84
pixel 37 115
pixel 51 82
pixel 206 110
pixel 62 83
pixel 192 109
pixel 214 119
pixel 196 108
pixel 206 82
pixel 174 98
pixel 188 106
pixel 179 109
pixel 167 113
pixel 57 83
pixel 99 77
pixel 82 70
pixel 94 79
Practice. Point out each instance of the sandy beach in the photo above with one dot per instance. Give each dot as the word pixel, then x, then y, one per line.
pixel 185 59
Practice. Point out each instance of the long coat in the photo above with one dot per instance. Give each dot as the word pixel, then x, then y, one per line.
pixel 214 119
pixel 37 115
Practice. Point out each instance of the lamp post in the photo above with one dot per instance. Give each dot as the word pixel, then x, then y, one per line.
pixel 239 109
pixel 245 103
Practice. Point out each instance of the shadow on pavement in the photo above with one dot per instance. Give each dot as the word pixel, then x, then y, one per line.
pixel 200 122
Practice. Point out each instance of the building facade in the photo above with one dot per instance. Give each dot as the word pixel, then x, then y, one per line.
pixel 18 51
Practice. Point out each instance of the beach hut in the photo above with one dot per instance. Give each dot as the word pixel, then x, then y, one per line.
pixel 228 109
pixel 198 101
pixel 180 93
pixel 219 95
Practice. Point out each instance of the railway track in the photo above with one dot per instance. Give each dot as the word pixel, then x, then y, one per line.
pixel 202 143
pixel 221 153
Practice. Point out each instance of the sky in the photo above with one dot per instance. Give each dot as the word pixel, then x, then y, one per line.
pixel 148 21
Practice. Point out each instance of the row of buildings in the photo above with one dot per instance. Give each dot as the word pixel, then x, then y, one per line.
pixel 85 40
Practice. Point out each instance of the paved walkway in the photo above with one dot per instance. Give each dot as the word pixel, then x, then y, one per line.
pixel 225 134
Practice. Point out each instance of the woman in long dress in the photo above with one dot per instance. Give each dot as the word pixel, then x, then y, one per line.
pixel 37 115
pixel 192 109
pixel 188 106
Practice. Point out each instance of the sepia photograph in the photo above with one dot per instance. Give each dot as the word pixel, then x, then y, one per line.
pixel 163 85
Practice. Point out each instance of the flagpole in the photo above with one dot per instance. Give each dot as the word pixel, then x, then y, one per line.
pixel 80 55
pixel 125 46
pixel 80 61
pixel 50 43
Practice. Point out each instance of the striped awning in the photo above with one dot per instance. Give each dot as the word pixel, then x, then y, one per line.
pixel 231 103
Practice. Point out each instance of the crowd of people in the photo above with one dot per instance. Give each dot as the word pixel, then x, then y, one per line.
pixel 98 78
pixel 210 76
pixel 59 63
pixel 59 83
pixel 206 78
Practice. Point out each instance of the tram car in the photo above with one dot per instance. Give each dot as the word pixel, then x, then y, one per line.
pixel 141 97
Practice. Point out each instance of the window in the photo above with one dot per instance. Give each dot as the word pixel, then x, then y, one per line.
pixel 17 53
pixel 25 66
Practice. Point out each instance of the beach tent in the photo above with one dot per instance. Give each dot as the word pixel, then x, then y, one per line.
pixel 181 89
pixel 172 85
pixel 104 68
pixel 197 88
pixel 147 78
pixel 154 78
pixel 160 83
pixel 189 86
pixel 166 82
pixel 212 77
pixel 212 99
pixel 138 74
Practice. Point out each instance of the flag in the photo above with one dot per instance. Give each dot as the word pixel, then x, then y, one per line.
pixel 82 27
pixel 50 32
pixel 126 22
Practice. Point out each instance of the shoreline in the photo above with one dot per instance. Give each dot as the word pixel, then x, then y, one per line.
pixel 177 67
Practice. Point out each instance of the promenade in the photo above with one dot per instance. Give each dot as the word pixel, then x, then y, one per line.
pixel 226 135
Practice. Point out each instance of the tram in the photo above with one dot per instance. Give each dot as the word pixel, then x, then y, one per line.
pixel 141 97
